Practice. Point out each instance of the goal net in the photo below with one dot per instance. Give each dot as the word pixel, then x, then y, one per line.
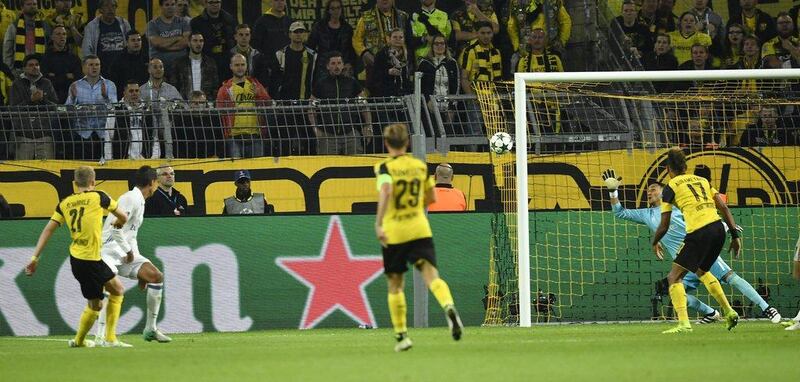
pixel 565 255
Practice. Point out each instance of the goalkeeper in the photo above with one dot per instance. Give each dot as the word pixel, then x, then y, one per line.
pixel 672 241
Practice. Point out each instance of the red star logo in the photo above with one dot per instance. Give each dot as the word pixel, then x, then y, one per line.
pixel 335 279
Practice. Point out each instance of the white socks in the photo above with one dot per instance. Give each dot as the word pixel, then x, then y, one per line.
pixel 154 294
pixel 101 318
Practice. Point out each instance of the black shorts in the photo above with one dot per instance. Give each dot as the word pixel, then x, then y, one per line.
pixel 701 248
pixel 395 256
pixel 92 275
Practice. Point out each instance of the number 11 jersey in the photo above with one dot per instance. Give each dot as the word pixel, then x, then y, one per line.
pixel 405 218
pixel 83 214
pixel 694 196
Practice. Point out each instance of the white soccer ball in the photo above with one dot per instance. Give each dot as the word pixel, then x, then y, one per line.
pixel 501 143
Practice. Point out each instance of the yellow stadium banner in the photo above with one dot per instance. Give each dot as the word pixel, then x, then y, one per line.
pixel 325 184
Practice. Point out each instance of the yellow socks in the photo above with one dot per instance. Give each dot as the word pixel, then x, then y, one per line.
pixel 88 317
pixel 715 290
pixel 677 294
pixel 441 291
pixel 397 310
pixel 112 316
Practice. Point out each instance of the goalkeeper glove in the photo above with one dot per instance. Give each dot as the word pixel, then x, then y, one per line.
pixel 611 180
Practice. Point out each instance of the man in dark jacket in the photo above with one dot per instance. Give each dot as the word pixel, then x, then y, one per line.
pixel 754 20
pixel 60 65
pixel 198 130
pixel 166 201
pixel 271 31
pixel 217 28
pixel 130 65
pixel 33 95
pixel 768 130
pixel 661 58
pixel 187 68
pixel 335 126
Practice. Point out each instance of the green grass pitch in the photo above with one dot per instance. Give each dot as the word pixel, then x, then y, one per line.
pixel 600 352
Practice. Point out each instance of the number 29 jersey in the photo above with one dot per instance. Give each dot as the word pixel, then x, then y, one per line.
pixel 83 214
pixel 405 218
pixel 694 196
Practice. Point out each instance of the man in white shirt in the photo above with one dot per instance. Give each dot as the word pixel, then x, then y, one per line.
pixel 195 71
pixel 124 258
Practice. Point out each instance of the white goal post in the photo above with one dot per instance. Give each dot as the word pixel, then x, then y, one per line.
pixel 521 138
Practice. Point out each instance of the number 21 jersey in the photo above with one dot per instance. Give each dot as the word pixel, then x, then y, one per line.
pixel 405 218
pixel 83 214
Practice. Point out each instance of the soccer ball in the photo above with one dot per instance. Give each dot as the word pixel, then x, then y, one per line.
pixel 501 143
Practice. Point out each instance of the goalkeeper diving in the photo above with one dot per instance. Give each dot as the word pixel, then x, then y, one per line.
pixel 671 243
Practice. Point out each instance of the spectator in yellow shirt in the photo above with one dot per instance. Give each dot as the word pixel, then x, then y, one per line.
pixel 558 28
pixel 686 37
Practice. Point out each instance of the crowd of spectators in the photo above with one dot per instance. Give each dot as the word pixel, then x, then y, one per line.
pixel 179 62
pixel 700 39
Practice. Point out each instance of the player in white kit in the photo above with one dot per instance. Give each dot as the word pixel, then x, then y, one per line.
pixel 126 261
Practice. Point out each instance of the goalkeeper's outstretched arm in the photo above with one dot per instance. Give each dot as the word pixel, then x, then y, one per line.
pixel 612 181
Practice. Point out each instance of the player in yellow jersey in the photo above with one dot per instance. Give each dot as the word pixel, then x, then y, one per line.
pixel 405 189
pixel 83 214
pixel 705 236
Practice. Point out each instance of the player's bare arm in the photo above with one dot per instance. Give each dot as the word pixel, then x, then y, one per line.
pixel 44 237
pixel 383 202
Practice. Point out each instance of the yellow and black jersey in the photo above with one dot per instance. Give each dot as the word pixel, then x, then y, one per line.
pixel 694 196
pixel 540 63
pixel 83 214
pixel 481 63
pixel 775 47
pixel 405 218
pixel 682 45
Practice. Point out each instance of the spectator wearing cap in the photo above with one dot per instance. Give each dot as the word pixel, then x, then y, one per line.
pixel 448 198
pixel 293 70
pixel 245 202
pixel 292 75
pixel 31 93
